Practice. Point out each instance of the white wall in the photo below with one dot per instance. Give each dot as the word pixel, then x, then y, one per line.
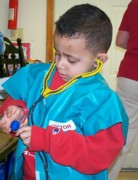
pixel 32 18
pixel 64 5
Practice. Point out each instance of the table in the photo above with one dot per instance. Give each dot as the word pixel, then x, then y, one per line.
pixel 7 145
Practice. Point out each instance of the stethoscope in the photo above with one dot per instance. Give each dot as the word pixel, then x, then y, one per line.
pixel 46 91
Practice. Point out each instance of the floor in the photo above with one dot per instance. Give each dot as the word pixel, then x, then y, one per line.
pixel 128 176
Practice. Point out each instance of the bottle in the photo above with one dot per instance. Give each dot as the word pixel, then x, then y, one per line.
pixel 21 115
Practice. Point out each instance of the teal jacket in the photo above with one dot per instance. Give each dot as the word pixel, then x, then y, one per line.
pixel 89 102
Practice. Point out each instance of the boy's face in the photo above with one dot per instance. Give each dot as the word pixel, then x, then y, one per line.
pixel 72 57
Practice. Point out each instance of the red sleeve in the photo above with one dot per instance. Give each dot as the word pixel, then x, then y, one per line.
pixel 10 101
pixel 86 154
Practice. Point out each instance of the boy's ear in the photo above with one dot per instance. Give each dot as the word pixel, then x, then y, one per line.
pixel 103 57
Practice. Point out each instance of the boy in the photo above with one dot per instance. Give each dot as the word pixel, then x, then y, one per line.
pixel 77 124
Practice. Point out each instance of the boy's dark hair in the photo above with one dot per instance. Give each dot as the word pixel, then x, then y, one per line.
pixel 87 21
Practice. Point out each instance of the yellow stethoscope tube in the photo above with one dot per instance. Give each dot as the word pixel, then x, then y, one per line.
pixel 47 91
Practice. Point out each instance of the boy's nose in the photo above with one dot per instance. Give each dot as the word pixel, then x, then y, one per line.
pixel 61 63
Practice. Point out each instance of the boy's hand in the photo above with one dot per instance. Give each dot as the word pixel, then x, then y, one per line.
pixel 9 115
pixel 25 134
pixel 5 124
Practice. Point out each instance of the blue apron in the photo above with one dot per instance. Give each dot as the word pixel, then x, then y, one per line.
pixel 86 102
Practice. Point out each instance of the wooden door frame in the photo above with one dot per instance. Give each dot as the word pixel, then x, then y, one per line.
pixel 49 29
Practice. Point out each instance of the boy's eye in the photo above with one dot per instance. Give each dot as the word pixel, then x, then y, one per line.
pixel 72 62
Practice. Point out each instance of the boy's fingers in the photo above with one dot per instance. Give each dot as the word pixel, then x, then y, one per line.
pixel 22 129
pixel 24 122
pixel 10 113
pixel 7 130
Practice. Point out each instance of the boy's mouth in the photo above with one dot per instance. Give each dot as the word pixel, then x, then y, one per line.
pixel 63 76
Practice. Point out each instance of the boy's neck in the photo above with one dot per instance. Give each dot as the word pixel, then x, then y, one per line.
pixel 57 81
